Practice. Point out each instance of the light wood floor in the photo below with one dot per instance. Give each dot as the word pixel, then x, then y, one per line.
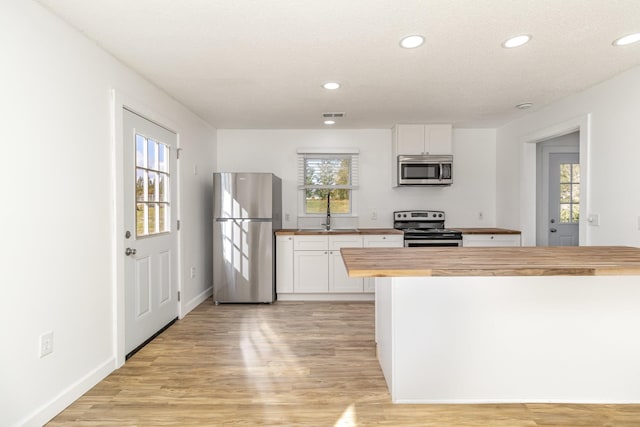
pixel 287 364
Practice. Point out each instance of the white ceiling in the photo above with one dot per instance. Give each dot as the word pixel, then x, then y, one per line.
pixel 260 63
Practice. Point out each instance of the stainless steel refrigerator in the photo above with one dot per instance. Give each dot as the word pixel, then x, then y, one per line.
pixel 247 210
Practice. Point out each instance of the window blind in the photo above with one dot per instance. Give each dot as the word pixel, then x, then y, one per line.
pixel 305 156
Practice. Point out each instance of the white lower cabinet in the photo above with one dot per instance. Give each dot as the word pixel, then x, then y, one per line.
pixel 310 267
pixel 284 264
pixel 318 266
pixel 339 281
pixel 310 272
pixel 488 240
pixel 380 241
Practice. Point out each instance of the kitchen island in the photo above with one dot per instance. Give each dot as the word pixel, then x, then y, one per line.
pixel 521 324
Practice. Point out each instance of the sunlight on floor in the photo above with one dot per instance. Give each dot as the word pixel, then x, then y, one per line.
pixel 268 361
pixel 348 418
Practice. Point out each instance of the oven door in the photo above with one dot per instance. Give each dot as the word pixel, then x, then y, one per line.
pixel 429 243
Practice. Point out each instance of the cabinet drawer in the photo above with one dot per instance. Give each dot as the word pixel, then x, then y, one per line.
pixel 491 240
pixel 345 241
pixel 311 243
pixel 381 241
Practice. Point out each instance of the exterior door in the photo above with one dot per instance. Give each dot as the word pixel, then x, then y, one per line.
pixel 150 266
pixel 564 199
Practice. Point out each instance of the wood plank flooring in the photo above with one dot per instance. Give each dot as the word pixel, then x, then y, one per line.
pixel 290 363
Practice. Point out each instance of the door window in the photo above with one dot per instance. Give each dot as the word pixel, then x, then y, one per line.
pixel 569 193
pixel 152 187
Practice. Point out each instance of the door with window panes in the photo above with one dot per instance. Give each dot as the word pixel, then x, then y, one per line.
pixel 564 199
pixel 150 235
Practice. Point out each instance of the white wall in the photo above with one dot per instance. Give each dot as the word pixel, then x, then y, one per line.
pixel 58 208
pixel 614 150
pixel 274 151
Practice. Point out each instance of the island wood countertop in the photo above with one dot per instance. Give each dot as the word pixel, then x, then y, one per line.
pixel 498 261
pixel 361 231
pixel 485 230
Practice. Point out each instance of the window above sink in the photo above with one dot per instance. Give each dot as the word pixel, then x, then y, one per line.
pixel 327 172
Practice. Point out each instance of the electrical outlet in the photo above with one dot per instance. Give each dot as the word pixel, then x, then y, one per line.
pixel 480 216
pixel 287 217
pixel 46 344
pixel 193 272
pixel 374 215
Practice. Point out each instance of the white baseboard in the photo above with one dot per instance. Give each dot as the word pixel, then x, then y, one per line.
pixel 327 297
pixel 69 395
pixel 194 302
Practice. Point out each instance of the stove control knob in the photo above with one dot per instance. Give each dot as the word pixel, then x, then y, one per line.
pixel 440 215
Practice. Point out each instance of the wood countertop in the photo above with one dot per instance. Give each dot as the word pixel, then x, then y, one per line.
pixel 361 231
pixel 499 261
pixel 485 230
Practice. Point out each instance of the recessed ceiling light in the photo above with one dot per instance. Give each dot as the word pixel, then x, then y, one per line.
pixel 329 122
pixel 628 39
pixel 331 85
pixel 411 42
pixel 524 105
pixel 516 41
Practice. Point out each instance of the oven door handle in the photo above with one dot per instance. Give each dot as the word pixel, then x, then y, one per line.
pixel 432 242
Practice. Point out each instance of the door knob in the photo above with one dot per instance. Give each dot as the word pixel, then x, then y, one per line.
pixel 129 252
pixel 553 230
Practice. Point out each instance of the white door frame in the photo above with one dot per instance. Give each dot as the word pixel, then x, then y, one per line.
pixel 119 101
pixel 528 178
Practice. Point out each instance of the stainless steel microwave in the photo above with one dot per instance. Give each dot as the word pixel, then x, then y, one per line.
pixel 425 170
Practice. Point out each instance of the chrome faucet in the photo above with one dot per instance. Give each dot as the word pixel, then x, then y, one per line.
pixel 327 224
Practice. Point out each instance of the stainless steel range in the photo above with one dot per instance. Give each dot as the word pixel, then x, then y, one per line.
pixel 425 229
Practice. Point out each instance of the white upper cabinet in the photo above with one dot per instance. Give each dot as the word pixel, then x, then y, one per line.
pixel 409 139
pixel 419 139
pixel 423 139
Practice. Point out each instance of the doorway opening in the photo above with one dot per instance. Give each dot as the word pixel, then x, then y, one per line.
pixel 558 191
pixel 533 219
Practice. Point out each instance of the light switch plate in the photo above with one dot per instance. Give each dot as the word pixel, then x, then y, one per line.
pixel 593 220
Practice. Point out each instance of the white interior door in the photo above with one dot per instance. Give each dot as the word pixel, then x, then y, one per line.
pixel 150 264
pixel 564 199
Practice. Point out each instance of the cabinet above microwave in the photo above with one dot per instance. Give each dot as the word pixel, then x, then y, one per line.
pixel 419 140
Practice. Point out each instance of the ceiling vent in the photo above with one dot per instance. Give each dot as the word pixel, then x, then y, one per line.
pixel 332 115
